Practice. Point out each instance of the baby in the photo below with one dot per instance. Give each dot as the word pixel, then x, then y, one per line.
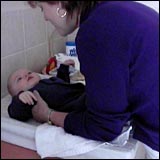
pixel 23 80
pixel 57 92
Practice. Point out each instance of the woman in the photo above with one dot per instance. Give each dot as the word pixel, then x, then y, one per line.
pixel 117 46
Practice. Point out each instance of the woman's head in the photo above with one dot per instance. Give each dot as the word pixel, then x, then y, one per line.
pixel 22 80
pixel 64 15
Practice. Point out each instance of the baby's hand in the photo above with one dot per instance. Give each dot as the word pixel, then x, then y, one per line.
pixel 27 97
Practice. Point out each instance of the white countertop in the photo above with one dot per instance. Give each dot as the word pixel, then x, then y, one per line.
pixel 14 131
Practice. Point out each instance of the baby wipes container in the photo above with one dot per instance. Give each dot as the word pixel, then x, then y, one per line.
pixel 71 49
pixel 72 54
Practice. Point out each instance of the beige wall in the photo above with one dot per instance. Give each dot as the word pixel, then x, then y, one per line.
pixel 23 40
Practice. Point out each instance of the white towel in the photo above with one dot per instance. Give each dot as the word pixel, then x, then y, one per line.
pixel 52 141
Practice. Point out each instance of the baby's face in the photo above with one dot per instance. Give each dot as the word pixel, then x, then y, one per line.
pixel 24 79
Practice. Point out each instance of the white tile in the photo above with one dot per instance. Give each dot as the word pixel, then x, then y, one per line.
pixel 72 36
pixel 3 78
pixel 50 29
pixel 15 62
pixel 34 27
pixel 56 35
pixel 9 65
pixel 50 32
pixel 37 57
pixel 12 38
pixel 13 5
pixel 59 45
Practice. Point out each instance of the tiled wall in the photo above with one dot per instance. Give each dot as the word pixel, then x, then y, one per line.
pixel 24 39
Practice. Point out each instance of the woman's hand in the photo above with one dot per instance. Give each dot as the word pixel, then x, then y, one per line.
pixel 27 97
pixel 69 62
pixel 40 110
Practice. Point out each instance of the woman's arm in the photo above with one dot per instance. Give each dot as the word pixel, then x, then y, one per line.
pixel 57 118
pixel 41 111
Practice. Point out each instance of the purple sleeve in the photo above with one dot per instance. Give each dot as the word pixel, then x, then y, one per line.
pixel 118 51
pixel 105 69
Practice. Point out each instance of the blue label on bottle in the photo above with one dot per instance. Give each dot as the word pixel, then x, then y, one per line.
pixel 73 52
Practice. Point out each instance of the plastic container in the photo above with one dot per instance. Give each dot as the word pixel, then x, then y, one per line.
pixel 71 49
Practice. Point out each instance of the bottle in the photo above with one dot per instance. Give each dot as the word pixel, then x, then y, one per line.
pixel 72 53
pixel 71 49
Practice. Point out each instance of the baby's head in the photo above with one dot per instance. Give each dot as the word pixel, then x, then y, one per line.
pixel 22 80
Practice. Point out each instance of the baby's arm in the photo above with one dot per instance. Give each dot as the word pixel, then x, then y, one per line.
pixel 19 110
pixel 27 97
pixel 63 70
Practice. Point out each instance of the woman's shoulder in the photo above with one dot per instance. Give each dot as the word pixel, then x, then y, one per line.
pixel 119 11
pixel 117 16
pixel 101 15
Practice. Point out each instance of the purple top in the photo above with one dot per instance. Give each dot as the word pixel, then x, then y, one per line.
pixel 118 48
